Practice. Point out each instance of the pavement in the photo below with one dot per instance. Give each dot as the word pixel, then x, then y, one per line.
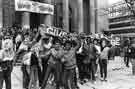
pixel 117 79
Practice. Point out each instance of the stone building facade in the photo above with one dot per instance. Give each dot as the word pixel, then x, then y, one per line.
pixel 71 15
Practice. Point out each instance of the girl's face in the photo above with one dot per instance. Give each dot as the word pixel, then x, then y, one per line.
pixel 103 43
pixel 95 42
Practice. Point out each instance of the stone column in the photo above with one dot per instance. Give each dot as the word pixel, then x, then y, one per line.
pixel 96 15
pixel 80 19
pixel 66 15
pixel 26 20
pixel 47 18
pixel 92 17
pixel 1 14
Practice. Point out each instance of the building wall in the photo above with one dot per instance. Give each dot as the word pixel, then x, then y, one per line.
pixel 92 20
pixel 86 18
pixel 121 20
pixel 8 12
pixel 102 15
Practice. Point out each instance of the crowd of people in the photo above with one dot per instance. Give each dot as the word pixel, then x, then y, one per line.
pixel 46 59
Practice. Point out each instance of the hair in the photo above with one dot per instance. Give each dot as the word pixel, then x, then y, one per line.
pixel 57 40
pixel 68 42
pixel 95 40
pixel 106 41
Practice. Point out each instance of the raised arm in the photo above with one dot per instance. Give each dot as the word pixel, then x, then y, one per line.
pixel 78 44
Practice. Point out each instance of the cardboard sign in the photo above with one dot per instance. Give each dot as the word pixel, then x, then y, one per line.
pixel 55 32
pixel 115 40
pixel 32 6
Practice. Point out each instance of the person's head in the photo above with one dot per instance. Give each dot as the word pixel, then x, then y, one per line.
pixel 68 45
pixel 41 27
pixel 7 44
pixel 133 43
pixel 26 40
pixel 89 40
pixel 57 43
pixel 104 42
pixel 45 42
pixel 95 41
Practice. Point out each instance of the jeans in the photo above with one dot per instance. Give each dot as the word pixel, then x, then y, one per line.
pixel 92 70
pixel 6 75
pixel 68 80
pixel 126 59
pixel 133 65
pixel 82 73
pixel 33 77
pixel 56 69
pixel 43 72
pixel 103 68
pixel 26 77
pixel 39 76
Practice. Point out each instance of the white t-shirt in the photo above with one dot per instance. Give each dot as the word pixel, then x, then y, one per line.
pixel 23 46
pixel 6 55
pixel 27 58
pixel 98 48
pixel 8 43
pixel 18 38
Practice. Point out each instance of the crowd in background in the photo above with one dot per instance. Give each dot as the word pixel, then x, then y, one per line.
pixel 60 61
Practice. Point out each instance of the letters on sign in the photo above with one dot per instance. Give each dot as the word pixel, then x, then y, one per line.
pixel 115 41
pixel 36 7
pixel 55 32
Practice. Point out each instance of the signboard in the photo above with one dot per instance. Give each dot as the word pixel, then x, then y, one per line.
pixel 115 40
pixel 119 10
pixel 32 6
pixel 54 31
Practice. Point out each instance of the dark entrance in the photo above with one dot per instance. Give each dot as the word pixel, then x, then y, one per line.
pixel 34 20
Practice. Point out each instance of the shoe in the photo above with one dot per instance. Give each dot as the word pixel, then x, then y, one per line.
pixel 77 87
pixel 101 79
pixel 93 82
pixel 105 80
pixel 96 75
pixel 81 82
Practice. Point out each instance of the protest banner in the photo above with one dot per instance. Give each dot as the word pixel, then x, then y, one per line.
pixel 32 6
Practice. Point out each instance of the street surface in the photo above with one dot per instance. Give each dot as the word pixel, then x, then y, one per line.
pixel 117 79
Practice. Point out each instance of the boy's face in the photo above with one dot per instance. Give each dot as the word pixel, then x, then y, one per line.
pixel 57 45
pixel 68 46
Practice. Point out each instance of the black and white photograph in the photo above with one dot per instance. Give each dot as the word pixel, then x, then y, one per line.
pixel 67 44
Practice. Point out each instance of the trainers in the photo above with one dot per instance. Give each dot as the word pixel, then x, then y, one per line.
pixel 101 79
pixel 81 82
pixel 93 82
pixel 77 87
pixel 96 75
pixel 105 80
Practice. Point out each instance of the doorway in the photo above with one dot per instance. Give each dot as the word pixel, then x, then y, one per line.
pixel 34 20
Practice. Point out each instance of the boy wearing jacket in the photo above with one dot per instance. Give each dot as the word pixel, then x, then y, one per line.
pixel 69 60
